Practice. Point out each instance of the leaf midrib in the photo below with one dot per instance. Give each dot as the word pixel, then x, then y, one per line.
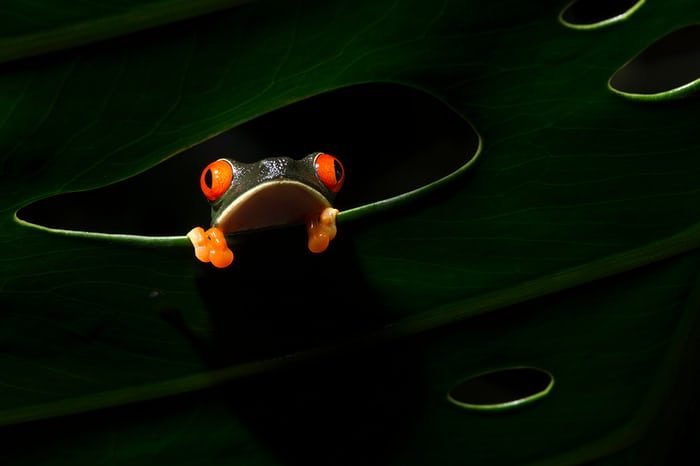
pixel 128 22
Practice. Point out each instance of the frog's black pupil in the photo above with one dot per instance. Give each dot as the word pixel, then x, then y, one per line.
pixel 207 179
pixel 338 170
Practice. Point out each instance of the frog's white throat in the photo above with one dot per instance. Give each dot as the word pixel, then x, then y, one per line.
pixel 273 203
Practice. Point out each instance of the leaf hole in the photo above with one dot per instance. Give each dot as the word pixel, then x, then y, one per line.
pixel 668 68
pixel 502 389
pixel 392 140
pixel 593 14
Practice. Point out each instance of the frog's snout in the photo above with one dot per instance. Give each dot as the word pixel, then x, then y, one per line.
pixel 274 203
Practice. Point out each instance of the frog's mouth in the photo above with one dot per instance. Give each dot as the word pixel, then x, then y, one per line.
pixel 274 203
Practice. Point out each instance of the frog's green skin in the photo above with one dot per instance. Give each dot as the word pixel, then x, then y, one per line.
pixel 272 191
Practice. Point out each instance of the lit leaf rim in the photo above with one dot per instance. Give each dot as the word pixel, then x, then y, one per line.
pixel 349 215
pixel 600 24
pixel 508 405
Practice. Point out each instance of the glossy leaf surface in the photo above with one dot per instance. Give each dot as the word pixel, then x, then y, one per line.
pixel 576 189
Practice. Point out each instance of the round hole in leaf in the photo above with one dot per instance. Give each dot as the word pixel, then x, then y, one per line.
pixel 668 68
pixel 394 142
pixel 502 389
pixel 593 14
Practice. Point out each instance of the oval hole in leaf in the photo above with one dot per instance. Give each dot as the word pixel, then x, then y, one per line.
pixel 502 389
pixel 392 140
pixel 668 68
pixel 593 14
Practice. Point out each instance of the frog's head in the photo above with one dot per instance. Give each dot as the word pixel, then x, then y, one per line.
pixel 273 191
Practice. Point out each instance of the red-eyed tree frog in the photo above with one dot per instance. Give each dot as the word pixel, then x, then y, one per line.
pixel 271 192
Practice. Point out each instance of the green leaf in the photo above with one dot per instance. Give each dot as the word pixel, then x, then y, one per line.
pixel 569 247
pixel 38 27
pixel 667 69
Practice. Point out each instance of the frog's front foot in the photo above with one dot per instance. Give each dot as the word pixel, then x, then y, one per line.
pixel 321 229
pixel 210 246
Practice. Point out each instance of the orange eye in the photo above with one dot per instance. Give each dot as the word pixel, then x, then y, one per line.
pixel 216 179
pixel 330 171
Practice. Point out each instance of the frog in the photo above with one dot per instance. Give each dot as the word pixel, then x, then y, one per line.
pixel 271 192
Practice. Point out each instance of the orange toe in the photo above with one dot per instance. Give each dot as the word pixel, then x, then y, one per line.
pixel 321 230
pixel 221 258
pixel 210 246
